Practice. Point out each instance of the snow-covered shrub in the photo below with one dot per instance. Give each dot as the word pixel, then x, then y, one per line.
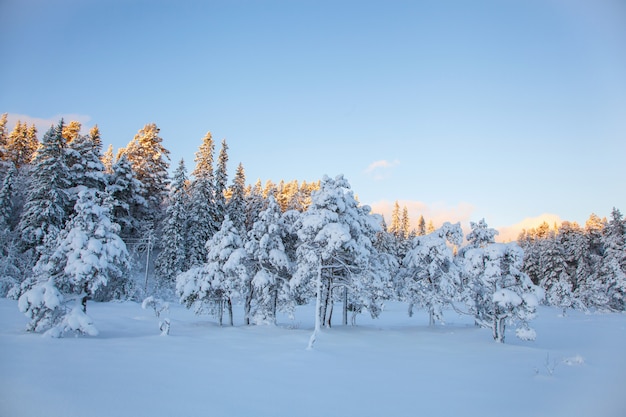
pixel 158 306
pixel 43 305
pixel 76 322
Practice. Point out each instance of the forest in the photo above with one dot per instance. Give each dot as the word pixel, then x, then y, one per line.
pixel 79 223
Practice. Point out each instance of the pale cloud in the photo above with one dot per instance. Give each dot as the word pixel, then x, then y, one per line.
pixel 43 124
pixel 511 233
pixel 380 170
pixel 438 213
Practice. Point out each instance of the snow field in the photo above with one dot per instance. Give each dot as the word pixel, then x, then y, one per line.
pixel 394 366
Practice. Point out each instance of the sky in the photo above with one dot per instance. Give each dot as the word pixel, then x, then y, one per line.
pixel 511 111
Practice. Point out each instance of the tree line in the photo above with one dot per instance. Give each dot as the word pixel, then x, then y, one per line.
pixel 76 224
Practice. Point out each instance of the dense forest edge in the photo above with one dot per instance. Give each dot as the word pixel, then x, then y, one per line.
pixel 78 223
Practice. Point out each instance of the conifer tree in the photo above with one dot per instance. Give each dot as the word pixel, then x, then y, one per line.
pixel 85 167
pixel 89 253
pixel 107 160
pixel 47 206
pixel 22 144
pixel 270 266
pixel 406 224
pixel 221 180
pixel 395 228
pixel 236 206
pixel 126 197
pixel 213 286
pixel 255 203
pixel 172 260
pixel 421 226
pixel 4 137
pixel 612 271
pixel 202 215
pixel 150 161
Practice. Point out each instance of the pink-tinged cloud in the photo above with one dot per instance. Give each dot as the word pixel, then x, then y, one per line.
pixel 511 233
pixel 438 213
pixel 43 124
pixel 380 170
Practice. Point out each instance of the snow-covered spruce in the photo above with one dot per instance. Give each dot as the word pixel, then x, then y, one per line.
pixel 496 290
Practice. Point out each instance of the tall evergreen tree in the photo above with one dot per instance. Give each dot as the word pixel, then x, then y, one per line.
pixel 236 206
pixel 221 180
pixel 22 144
pixel 202 216
pixel 270 267
pixel 127 198
pixel 4 137
pixel 150 161
pixel 336 251
pixel 421 226
pixel 172 260
pixel 613 267
pixel 89 253
pixel 47 206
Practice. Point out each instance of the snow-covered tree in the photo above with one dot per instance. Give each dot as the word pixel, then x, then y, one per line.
pixel 555 280
pixel 150 162
pixel 236 206
pixel 172 260
pixel 269 267
pixel 212 286
pixel 89 254
pixel 497 292
pixel 612 270
pixel 126 197
pixel 202 215
pixel 221 181
pixel 21 144
pixel 430 276
pixel 86 170
pixel 47 206
pixel 335 248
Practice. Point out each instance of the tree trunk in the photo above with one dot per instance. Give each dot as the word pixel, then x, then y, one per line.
pixel 274 303
pixel 345 306
pixel 248 306
pixel 230 311
pixel 83 300
pixel 220 311
pixel 318 309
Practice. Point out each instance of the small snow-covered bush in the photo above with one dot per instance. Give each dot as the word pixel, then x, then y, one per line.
pixel 46 308
pixel 43 305
pixel 76 321
pixel 158 306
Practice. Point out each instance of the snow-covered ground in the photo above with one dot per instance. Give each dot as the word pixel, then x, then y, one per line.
pixel 393 366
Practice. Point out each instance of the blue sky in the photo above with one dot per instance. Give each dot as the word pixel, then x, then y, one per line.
pixel 461 110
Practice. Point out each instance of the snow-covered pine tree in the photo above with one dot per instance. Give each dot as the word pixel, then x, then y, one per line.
pixel 221 181
pixel 89 254
pixel 255 203
pixel 22 144
pixel 150 162
pixel 107 160
pixel 126 198
pixel 212 286
pixel 497 292
pixel 47 207
pixel 236 206
pixel 4 137
pixel 613 267
pixel 555 280
pixel 172 260
pixel 201 205
pixel 86 170
pixel 430 276
pixel 270 267
pixel 335 248
pixel 421 226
